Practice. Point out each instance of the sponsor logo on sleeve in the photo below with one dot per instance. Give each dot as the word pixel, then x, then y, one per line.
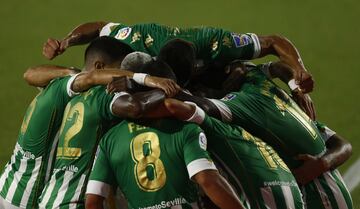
pixel 123 33
pixel 241 40
pixel 202 141
pixel 228 97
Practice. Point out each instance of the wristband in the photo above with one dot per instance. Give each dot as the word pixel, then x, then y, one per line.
pixel 292 85
pixel 139 78
pixel 198 116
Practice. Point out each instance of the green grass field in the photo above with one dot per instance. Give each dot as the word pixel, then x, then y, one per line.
pixel 325 32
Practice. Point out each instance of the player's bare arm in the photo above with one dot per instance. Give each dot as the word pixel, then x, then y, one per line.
pixel 94 201
pixel 338 151
pixel 137 104
pixel 285 73
pixel 287 53
pixel 40 76
pixel 217 189
pixel 205 104
pixel 81 34
pixel 103 77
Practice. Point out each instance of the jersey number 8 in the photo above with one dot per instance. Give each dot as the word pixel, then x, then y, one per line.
pixel 149 170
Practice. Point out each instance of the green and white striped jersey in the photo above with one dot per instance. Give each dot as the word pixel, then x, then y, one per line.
pixel 327 191
pixel 84 122
pixel 23 178
pixel 254 169
pixel 266 111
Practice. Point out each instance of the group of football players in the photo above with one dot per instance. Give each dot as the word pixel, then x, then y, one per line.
pixel 173 118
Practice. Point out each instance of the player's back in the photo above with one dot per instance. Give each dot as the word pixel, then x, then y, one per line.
pixel 151 37
pixel 266 111
pixel 150 162
pixel 25 174
pixel 255 170
pixel 82 127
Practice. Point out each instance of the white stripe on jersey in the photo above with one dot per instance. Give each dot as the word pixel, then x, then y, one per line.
pixel 31 183
pixel 303 192
pixel 335 190
pixel 17 177
pixel 63 188
pixel 51 157
pixel 77 192
pixel 5 175
pixel 337 173
pixel 48 190
pixel 268 197
pixel 324 198
pixel 226 114
pixel 176 207
pixel 235 179
pixel 289 199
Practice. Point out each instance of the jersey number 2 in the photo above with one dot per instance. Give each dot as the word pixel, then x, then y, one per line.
pixel 75 114
pixel 149 170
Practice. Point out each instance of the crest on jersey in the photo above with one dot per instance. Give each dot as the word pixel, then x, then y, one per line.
pixel 228 97
pixel 202 141
pixel 123 33
pixel 241 40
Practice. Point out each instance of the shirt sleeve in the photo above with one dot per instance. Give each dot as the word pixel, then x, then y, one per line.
pixel 108 28
pixel 195 155
pixel 221 130
pixel 325 131
pixel 105 102
pixel 60 88
pixel 101 177
pixel 226 114
pixel 237 46
pixel 69 91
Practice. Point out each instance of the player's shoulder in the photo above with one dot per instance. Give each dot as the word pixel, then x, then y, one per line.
pixel 95 91
pixel 59 80
pixel 114 132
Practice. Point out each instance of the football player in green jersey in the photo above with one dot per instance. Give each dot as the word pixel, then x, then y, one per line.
pixel 267 111
pixel 324 178
pixel 153 164
pixel 23 178
pixel 251 165
pixel 86 116
pixel 210 44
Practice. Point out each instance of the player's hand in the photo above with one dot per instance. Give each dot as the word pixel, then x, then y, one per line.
pixel 52 48
pixel 312 168
pixel 169 86
pixel 178 109
pixel 119 84
pixel 305 81
pixel 305 103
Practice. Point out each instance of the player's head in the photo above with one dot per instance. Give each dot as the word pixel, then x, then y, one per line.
pixel 105 52
pixel 159 68
pixel 180 56
pixel 239 69
pixel 135 61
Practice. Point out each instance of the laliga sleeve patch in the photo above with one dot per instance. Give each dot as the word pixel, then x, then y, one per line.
pixel 241 40
pixel 123 33
pixel 202 141
pixel 228 97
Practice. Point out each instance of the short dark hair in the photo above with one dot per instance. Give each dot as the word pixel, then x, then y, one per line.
pixel 159 68
pixel 106 49
pixel 180 56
